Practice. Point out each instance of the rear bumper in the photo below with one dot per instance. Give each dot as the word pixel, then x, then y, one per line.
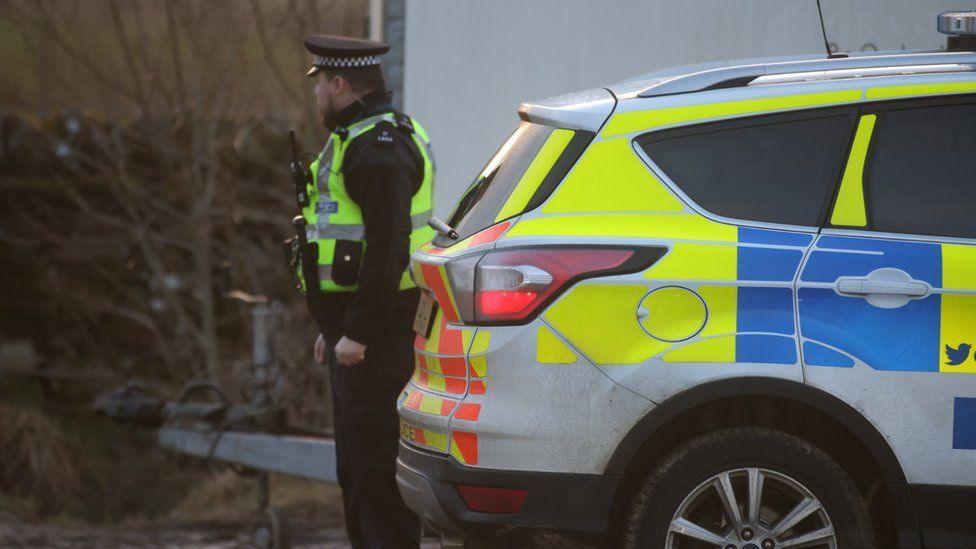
pixel 559 501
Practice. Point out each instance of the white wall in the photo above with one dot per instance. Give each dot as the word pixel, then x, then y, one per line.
pixel 468 63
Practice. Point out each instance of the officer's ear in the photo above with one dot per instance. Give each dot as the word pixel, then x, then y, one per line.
pixel 339 85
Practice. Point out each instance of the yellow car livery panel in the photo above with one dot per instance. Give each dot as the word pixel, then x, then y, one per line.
pixel 729 305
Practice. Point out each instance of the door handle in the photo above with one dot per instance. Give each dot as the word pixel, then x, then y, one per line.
pixel 864 286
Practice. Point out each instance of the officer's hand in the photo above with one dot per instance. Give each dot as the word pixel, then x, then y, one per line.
pixel 349 352
pixel 320 351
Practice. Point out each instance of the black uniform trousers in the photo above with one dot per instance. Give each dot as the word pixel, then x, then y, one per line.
pixel 367 432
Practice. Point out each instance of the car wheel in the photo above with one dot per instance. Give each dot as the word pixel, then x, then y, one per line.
pixel 748 488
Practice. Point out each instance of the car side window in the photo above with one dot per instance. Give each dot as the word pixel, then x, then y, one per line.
pixel 920 176
pixel 771 169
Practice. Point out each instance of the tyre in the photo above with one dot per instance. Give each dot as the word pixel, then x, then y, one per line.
pixel 274 531
pixel 748 488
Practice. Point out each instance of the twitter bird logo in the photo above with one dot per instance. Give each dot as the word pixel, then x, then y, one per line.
pixel 957 356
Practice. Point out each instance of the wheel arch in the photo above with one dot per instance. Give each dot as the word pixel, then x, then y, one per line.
pixel 627 461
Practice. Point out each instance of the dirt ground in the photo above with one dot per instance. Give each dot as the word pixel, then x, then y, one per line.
pixel 17 534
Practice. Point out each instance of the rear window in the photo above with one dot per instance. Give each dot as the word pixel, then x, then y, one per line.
pixel 768 169
pixel 497 194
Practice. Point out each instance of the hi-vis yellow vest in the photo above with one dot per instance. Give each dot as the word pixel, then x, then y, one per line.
pixel 335 222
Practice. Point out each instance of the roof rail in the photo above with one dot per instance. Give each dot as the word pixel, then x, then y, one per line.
pixel 840 74
pixel 866 65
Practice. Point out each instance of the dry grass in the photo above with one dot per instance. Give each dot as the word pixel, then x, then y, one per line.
pixel 223 497
pixel 46 475
pixel 227 497
pixel 37 471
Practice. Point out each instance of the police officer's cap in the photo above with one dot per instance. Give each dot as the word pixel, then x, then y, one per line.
pixel 343 52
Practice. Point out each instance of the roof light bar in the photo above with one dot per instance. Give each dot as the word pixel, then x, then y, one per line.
pixel 959 23
pixel 961 28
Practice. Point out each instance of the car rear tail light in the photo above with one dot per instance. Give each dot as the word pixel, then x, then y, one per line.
pixel 510 286
pixel 488 499
pixel 507 290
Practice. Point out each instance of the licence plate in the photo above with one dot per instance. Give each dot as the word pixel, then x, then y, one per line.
pixel 407 432
pixel 425 313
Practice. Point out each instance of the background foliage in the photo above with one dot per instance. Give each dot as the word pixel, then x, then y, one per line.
pixel 143 155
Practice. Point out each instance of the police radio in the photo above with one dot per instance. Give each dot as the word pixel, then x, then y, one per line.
pixel 303 255
pixel 301 177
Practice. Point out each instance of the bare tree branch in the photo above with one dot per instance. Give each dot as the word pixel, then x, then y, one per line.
pixel 126 48
pixel 269 56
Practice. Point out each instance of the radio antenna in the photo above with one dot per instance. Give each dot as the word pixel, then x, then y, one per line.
pixel 823 29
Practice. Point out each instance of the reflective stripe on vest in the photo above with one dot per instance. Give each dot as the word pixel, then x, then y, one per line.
pixel 333 216
pixel 357 232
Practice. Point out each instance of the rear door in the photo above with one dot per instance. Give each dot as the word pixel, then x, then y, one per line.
pixel 887 296
pixel 756 189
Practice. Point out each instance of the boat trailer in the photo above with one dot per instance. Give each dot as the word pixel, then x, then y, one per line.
pixel 252 437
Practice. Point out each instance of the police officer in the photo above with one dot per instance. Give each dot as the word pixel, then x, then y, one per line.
pixel 367 208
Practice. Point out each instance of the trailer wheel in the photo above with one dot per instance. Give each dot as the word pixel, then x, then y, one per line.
pixel 274 531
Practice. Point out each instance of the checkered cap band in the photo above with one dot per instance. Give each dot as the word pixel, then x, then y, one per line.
pixel 344 62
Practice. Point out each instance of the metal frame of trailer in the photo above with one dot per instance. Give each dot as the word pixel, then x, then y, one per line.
pixel 252 437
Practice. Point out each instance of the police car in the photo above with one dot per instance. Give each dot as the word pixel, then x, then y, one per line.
pixel 729 305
